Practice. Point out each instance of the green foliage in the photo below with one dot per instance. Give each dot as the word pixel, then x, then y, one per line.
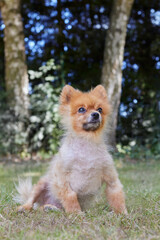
pixel 142 122
pixel 13 134
pixel 140 93
pixel 73 32
pixel 44 131
pixel 40 132
pixel 135 151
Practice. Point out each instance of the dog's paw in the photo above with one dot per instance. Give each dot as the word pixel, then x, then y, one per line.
pixel 121 211
pixel 74 208
pixel 125 212
pixel 23 208
pixel 50 207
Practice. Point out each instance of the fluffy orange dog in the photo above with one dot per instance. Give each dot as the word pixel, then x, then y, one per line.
pixel 82 163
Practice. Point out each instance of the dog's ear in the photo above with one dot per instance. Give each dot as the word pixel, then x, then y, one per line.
pixel 66 94
pixel 100 92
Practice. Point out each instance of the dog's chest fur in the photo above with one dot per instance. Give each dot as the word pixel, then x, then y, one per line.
pixel 84 161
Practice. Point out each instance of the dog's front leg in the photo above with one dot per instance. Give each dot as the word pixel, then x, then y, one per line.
pixel 61 189
pixel 114 190
pixel 69 199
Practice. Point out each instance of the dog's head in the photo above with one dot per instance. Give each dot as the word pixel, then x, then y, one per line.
pixel 84 113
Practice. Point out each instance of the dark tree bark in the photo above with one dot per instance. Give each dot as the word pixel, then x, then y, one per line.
pixel 113 60
pixel 16 77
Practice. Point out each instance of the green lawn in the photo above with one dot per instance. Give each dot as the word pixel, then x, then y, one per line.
pixel 142 187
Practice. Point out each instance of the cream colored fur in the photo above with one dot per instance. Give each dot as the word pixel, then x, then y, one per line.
pixel 77 172
pixel 83 164
pixel 24 190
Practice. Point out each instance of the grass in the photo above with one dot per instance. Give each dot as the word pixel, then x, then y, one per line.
pixel 142 187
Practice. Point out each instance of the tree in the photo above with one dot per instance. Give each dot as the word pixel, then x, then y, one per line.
pixel 73 33
pixel 113 60
pixel 16 77
pixel 139 119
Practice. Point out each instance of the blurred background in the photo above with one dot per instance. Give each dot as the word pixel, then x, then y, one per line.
pixel 45 44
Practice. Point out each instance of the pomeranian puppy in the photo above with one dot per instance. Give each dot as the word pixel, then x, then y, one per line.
pixel 82 163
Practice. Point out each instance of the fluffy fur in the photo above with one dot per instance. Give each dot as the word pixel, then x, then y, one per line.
pixel 83 163
pixel 24 189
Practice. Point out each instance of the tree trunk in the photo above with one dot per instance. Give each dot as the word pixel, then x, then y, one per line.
pixel 16 77
pixel 113 60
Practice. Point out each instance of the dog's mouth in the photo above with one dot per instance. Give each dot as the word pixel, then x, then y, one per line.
pixel 92 125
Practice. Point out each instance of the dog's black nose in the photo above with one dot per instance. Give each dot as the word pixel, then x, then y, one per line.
pixel 95 115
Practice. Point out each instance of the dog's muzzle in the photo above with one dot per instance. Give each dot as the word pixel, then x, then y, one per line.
pixel 93 122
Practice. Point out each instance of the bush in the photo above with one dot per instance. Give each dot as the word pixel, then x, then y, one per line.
pixel 141 123
pixel 13 134
pixel 44 131
pixel 40 131
pixel 44 128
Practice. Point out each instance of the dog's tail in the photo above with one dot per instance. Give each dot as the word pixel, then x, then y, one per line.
pixel 24 189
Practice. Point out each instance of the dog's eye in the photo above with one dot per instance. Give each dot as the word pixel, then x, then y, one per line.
pixel 82 110
pixel 99 110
